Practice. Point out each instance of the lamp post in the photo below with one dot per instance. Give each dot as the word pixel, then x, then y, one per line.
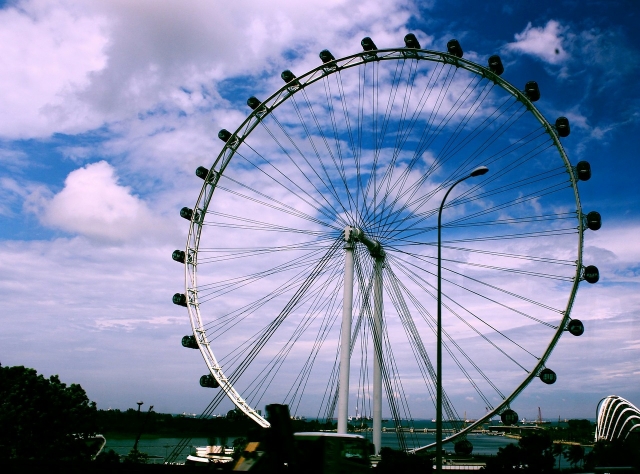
pixel 476 172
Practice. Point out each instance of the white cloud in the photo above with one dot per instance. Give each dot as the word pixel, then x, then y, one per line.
pixel 47 53
pixel 545 43
pixel 93 204
pixel 71 66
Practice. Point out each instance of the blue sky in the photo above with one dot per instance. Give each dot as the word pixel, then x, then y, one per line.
pixel 109 106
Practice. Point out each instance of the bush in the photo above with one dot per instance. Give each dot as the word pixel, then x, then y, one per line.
pixel 43 419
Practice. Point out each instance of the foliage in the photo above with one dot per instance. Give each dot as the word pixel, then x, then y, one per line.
pixel 394 461
pixel 126 423
pixel 580 431
pixel 574 454
pixel 135 457
pixel 558 451
pixel 532 454
pixel 108 456
pixel 43 419
pixel 615 453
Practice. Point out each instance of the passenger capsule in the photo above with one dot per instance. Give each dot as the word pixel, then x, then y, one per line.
pixel 224 135
pixel 562 127
pixel 576 327
pixel 583 169
pixel 594 221
pixel 495 64
pixel 180 299
pixel 548 376
pixel 509 417
pixel 208 381
pixel 591 274
pixel 253 102
pixel 287 76
pixel 186 213
pixel 178 256
pixel 326 56
pixel 202 172
pixel 454 48
pixel 463 447
pixel 368 44
pixel 411 41
pixel 532 91
pixel 189 342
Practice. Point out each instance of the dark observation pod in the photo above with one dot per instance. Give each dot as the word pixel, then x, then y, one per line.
pixel 495 64
pixel 186 213
pixel 202 172
pixel 548 376
pixel 326 56
pixel 454 48
pixel 180 299
pixel 562 127
pixel 287 76
pixel 189 342
pixel 411 41
pixel 591 274
pixel 532 91
pixel 594 221
pixel 253 102
pixel 224 135
pixel 583 169
pixel 368 44
pixel 509 417
pixel 178 256
pixel 207 381
pixel 463 447
pixel 576 327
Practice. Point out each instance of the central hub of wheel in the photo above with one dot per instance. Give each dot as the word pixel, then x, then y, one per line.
pixel 353 234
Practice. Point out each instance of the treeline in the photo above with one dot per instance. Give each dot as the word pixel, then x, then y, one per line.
pixel 235 423
pixel 578 431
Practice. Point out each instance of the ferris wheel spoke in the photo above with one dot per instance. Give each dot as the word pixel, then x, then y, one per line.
pixel 519 200
pixel 542 218
pixel 232 318
pixel 272 203
pixel 328 184
pixel 439 160
pixel 409 265
pixel 297 262
pixel 411 192
pixel 451 341
pixel 273 326
pixel 354 209
pixel 428 289
pixel 321 195
pixel 326 209
pixel 261 382
pixel 412 208
pixel 232 253
pixel 435 133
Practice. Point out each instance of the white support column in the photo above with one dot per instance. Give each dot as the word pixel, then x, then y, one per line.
pixel 377 374
pixel 345 338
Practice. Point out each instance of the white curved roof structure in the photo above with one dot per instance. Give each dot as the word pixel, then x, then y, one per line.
pixel 617 418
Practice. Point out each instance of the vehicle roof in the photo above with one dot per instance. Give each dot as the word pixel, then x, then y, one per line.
pixel 328 434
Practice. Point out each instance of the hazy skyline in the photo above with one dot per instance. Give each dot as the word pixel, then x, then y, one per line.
pixel 110 106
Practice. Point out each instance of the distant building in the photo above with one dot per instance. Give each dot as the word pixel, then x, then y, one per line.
pixel 617 418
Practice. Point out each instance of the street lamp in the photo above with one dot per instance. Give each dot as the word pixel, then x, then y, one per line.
pixel 476 172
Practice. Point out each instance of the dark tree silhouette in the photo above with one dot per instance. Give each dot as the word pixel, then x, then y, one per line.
pixel 558 450
pixel 533 454
pixel 574 454
pixel 43 419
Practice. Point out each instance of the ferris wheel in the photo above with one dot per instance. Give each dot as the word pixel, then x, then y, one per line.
pixel 311 264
